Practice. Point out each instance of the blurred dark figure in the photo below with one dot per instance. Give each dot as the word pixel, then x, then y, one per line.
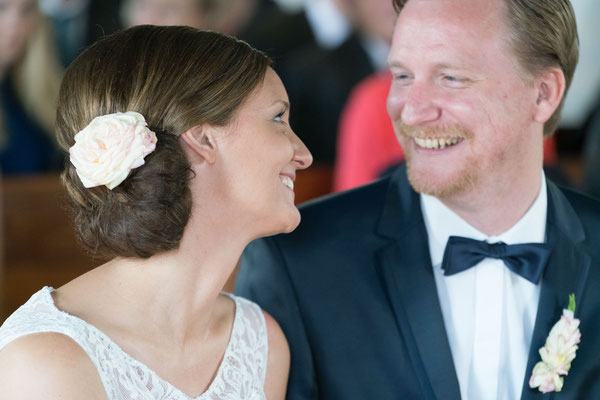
pixel 319 78
pixel 591 156
pixel 577 133
pixel 79 23
pixel 29 78
pixel 280 33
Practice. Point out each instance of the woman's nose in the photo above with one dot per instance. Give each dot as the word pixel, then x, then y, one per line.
pixel 302 157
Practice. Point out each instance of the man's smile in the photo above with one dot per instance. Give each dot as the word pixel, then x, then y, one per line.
pixel 437 142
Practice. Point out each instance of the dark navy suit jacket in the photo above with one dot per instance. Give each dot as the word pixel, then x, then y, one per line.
pixel 354 292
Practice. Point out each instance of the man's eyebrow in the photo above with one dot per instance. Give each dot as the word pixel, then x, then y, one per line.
pixel 285 103
pixel 449 66
pixel 398 64
pixel 395 64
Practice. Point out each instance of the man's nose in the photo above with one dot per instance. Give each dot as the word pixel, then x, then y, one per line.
pixel 420 105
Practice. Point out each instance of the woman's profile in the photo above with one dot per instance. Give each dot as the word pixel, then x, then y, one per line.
pixel 180 154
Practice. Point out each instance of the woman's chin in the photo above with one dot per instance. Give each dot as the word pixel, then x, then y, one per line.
pixel 292 227
pixel 292 222
pixel 286 224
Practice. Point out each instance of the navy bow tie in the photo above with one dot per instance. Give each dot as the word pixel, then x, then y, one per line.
pixel 527 260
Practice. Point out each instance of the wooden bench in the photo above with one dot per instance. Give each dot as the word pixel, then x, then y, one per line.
pixel 39 244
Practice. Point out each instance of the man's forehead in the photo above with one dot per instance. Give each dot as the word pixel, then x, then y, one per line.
pixel 448 33
pixel 482 10
pixel 439 19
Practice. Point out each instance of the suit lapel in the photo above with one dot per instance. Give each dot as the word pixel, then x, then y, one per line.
pixel 565 274
pixel 404 266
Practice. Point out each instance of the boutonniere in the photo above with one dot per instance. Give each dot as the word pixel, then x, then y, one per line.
pixel 557 353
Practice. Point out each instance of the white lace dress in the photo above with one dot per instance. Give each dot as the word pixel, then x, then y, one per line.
pixel 241 374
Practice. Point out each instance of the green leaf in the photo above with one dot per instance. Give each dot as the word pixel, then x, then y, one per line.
pixel 572 302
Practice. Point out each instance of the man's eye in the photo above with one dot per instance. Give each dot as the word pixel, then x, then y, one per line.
pixel 454 81
pixel 402 79
pixel 279 117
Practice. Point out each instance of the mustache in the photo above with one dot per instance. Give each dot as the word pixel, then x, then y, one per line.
pixel 454 131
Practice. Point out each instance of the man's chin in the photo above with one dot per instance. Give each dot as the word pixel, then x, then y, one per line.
pixel 441 186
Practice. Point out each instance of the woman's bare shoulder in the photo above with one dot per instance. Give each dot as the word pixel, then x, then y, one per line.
pixel 50 366
pixel 278 364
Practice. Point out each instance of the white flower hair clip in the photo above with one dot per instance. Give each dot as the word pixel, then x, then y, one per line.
pixel 109 147
pixel 558 352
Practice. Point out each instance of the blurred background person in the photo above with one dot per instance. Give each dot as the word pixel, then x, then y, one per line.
pixel 288 27
pixel 231 17
pixel 319 79
pixel 581 122
pixel 30 76
pixel 366 144
pixel 194 13
pixel 79 23
pixel 583 97
pixel 591 157
pixel 238 17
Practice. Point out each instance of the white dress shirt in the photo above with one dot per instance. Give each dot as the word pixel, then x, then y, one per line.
pixel 489 311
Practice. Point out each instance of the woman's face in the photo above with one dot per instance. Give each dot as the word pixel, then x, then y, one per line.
pixel 18 19
pixel 260 155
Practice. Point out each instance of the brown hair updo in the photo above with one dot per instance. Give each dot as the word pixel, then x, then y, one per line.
pixel 177 78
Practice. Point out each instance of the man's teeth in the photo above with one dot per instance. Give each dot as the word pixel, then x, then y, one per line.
pixel 287 181
pixel 437 143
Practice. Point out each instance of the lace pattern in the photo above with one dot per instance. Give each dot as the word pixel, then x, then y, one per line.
pixel 241 374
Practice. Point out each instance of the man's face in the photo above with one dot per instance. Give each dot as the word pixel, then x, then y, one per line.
pixel 461 110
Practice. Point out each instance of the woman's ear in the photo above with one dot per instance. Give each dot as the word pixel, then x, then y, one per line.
pixel 201 140
pixel 551 88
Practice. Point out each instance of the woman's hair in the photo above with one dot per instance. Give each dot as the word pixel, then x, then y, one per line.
pixel 177 78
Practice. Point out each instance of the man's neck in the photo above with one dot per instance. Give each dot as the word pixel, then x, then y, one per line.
pixel 499 208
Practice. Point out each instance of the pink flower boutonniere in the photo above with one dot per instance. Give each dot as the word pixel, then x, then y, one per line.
pixel 558 352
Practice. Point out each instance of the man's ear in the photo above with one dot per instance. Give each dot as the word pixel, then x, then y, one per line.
pixel 201 139
pixel 550 84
